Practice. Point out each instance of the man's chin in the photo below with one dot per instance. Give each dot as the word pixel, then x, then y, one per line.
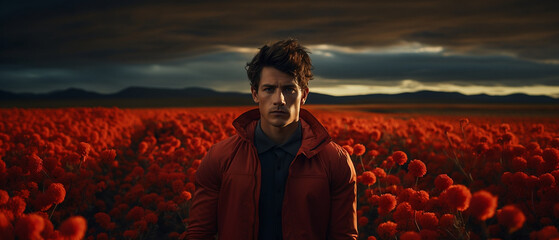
pixel 279 124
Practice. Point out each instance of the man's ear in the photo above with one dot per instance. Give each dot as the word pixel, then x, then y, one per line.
pixel 254 94
pixel 305 93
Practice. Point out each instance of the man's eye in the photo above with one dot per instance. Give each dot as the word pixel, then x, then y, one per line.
pixel 268 90
pixel 290 90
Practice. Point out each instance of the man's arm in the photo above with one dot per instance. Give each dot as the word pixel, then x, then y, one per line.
pixel 343 212
pixel 202 222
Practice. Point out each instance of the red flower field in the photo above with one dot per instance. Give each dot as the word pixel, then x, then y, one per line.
pixel 109 173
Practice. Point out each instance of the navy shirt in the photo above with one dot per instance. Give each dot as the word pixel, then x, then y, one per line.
pixel 274 164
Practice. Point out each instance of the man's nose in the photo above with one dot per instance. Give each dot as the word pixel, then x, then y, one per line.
pixel 279 98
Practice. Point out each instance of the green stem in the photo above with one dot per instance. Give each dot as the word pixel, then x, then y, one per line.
pixel 52 213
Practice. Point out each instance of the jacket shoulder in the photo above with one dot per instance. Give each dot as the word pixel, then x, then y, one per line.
pixel 214 162
pixel 338 163
pixel 224 147
pixel 333 152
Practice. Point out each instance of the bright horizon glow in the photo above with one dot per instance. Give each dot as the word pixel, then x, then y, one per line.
pixel 414 86
pixel 402 47
pixel 327 49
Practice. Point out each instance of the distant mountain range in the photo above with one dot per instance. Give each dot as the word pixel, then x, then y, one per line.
pixel 192 96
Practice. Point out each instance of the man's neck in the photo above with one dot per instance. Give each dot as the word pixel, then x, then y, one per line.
pixel 279 135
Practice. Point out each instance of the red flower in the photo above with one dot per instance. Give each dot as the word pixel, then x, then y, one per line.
pixel 549 232
pixel 443 181
pixel 410 236
pixel 386 230
pixel 375 135
pixel 151 218
pixel 73 228
pixel 388 163
pixel 535 162
pixel 83 149
pixel 483 205
pixel 546 180
pixel 519 164
pixel 418 199
pixel 403 212
pixel 505 127
pixel 102 236
pixel 373 153
pixel 2 166
pixel 417 168
pixel 358 149
pixel 379 172
pixel 34 163
pixel 17 205
pixel 446 221
pixel 506 178
pixel 177 185
pixel 141 225
pixel 392 180
pixel 428 234
pixel 363 221
pixel 29 227
pixel 186 195
pixel 135 214
pixel 142 147
pixel 56 193
pixel 348 149
pixel 4 197
pixel 519 179
pixel 511 217
pixel 373 199
pixel 108 155
pixel 507 138
pixel 405 194
pixel 457 197
pixel 399 157
pixel 368 178
pixel 387 203
pixel 551 157
pixel 190 187
pixel 103 219
pixel 428 220
pixel 132 234
pixel 6 228
pixel 197 162
pixel 537 128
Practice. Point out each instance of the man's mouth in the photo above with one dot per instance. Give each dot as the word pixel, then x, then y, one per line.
pixel 278 112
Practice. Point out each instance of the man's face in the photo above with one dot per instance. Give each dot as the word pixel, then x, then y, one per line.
pixel 279 98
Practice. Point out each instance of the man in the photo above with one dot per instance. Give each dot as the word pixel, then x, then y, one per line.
pixel 280 176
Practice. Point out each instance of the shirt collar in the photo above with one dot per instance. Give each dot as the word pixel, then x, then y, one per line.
pixel 263 143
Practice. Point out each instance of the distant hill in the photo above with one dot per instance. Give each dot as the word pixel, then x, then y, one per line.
pixel 161 97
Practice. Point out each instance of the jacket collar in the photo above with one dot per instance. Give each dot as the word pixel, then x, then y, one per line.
pixel 315 135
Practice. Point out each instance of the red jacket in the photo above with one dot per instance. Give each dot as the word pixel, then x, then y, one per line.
pixel 320 193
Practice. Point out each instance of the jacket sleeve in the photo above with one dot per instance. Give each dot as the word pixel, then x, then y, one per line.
pixel 343 212
pixel 202 223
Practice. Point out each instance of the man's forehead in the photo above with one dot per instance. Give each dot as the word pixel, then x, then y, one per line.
pixel 276 84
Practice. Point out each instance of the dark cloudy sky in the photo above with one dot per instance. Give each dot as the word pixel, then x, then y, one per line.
pixel 493 47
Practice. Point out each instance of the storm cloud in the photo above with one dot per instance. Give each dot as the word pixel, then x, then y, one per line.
pixel 109 45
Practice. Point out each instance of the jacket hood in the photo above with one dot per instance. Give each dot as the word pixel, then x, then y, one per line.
pixel 314 138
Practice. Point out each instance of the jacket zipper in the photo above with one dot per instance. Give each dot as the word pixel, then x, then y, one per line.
pixel 285 195
pixel 254 194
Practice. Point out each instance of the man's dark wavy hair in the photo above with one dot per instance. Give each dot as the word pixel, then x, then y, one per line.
pixel 288 56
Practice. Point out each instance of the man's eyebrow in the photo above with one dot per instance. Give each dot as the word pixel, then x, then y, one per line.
pixel 268 85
